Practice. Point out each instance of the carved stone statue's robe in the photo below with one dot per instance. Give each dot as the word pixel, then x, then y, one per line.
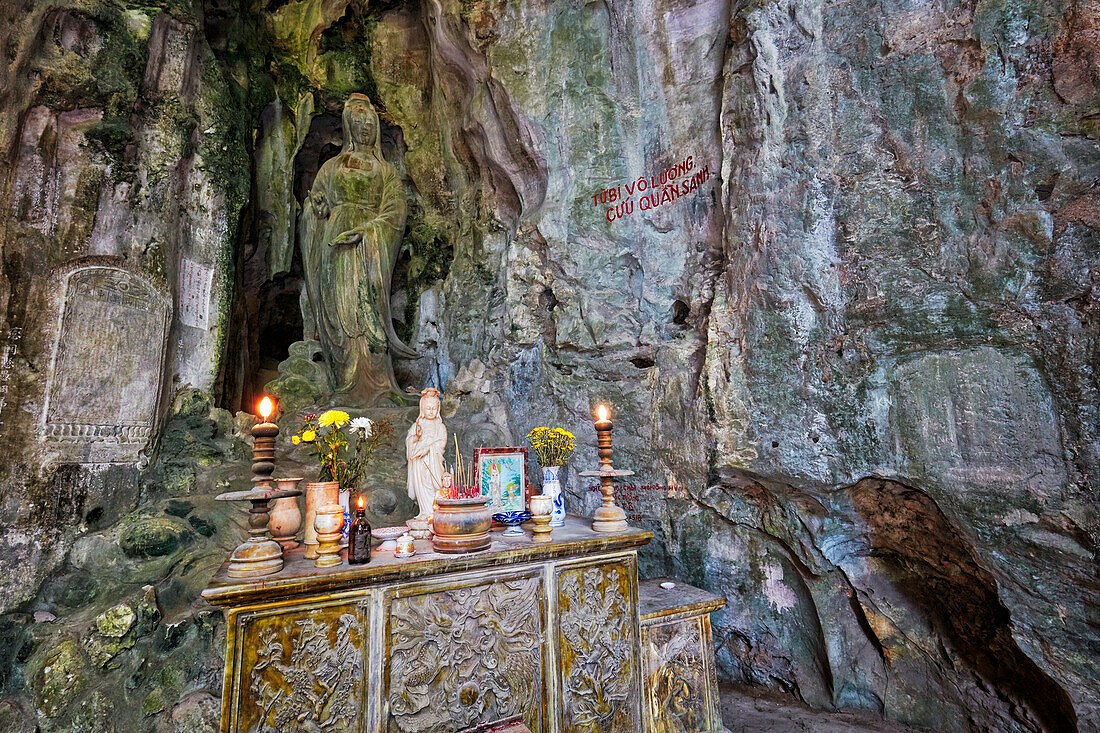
pixel 425 456
pixel 351 229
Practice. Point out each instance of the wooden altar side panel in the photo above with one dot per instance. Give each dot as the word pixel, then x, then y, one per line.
pixel 298 667
pixel 466 651
pixel 681 683
pixel 598 650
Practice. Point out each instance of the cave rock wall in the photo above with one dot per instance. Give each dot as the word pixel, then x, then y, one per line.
pixel 851 349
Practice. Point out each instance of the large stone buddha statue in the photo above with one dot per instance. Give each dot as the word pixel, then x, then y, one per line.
pixel 351 228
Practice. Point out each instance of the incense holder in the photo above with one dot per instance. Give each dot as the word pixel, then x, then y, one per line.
pixel 461 525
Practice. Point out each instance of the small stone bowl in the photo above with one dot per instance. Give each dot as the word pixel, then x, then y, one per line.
pixel 512 520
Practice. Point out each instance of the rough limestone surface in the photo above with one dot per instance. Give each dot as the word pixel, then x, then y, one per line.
pixel 851 353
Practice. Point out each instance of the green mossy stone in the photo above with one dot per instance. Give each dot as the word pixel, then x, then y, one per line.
pixel 154 702
pixel 63 677
pixel 115 622
pixel 202 526
pixel 295 393
pixel 148 612
pixel 152 537
pixel 103 650
pixel 76 590
pixel 178 508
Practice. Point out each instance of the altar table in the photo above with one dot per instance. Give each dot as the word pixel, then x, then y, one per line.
pixel 550 632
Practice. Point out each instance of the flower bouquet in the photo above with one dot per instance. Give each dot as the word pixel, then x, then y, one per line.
pixel 553 447
pixel 344 447
pixel 331 435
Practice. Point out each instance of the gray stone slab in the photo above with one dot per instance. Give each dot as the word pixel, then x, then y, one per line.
pixel 107 364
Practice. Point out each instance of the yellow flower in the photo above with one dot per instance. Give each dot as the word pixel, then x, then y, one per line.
pixel 309 436
pixel 333 417
pixel 295 439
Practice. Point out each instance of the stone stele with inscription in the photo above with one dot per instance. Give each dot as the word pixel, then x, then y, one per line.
pixel 108 357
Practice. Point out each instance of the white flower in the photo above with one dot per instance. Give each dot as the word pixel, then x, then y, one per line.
pixel 363 425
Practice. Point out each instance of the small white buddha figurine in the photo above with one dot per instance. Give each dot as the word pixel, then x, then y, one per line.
pixel 424 445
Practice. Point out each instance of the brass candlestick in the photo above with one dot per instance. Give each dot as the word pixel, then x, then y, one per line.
pixel 259 554
pixel 608 517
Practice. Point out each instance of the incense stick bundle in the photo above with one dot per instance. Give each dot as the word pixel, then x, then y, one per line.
pixel 463 478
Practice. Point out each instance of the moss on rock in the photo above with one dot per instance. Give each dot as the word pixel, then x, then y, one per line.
pixel 63 676
pixel 152 537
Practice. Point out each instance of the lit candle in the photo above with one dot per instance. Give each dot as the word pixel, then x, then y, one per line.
pixel 263 443
pixel 603 417
pixel 608 517
pixel 266 407
pixel 603 436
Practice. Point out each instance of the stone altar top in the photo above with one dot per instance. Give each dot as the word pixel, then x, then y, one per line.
pixel 299 576
pixel 655 601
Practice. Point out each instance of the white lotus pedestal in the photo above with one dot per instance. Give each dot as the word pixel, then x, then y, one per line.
pixel 420 529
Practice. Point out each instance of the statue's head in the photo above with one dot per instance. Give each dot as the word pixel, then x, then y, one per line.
pixel 429 403
pixel 361 128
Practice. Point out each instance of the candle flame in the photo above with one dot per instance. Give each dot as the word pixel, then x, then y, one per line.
pixel 266 407
pixel 361 503
pixel 603 413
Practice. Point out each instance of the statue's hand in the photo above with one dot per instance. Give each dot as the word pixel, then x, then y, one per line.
pixel 321 209
pixel 350 238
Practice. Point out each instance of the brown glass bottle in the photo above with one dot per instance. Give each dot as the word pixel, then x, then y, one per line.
pixel 359 536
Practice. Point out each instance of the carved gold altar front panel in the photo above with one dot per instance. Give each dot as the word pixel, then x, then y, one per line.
pixel 680 683
pixel 300 668
pixel 435 643
pixel 465 653
pixel 597 647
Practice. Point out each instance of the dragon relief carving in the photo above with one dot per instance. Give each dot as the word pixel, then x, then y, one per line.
pixel 307 676
pixel 598 666
pixel 465 656
pixel 676 680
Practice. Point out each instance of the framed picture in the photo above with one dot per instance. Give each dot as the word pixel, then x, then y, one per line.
pixel 502 476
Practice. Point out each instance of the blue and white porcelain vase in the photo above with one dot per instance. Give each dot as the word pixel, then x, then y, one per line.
pixel 551 486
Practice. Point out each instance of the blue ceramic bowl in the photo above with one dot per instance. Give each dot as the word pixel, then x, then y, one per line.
pixel 512 520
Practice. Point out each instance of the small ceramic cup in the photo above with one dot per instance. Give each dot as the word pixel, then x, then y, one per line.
pixel 404 546
pixel 541 504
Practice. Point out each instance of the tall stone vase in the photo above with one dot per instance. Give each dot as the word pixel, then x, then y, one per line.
pixel 318 494
pixel 551 486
